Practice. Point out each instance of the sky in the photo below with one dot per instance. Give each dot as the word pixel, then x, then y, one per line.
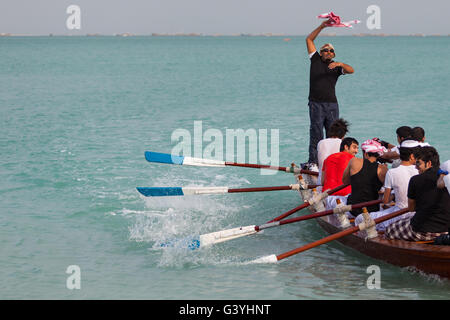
pixel 290 17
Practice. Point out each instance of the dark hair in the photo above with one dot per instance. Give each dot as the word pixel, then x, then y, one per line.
pixel 404 132
pixel 428 154
pixel 338 128
pixel 405 153
pixel 372 154
pixel 347 142
pixel 417 133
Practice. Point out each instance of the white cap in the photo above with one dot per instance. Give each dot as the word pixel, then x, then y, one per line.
pixel 327 45
pixel 410 144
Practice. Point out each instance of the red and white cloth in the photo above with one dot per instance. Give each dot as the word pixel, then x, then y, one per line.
pixel 373 147
pixel 335 20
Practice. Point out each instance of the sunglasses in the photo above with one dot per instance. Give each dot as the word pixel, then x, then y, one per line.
pixel 326 50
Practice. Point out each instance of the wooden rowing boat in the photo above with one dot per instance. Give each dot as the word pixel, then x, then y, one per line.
pixel 428 258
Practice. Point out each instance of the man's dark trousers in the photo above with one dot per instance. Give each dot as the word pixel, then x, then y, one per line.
pixel 321 115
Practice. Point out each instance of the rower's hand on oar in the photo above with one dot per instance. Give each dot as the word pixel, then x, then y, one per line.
pixel 388 205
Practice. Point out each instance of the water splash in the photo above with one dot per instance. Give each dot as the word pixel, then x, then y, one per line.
pixel 171 224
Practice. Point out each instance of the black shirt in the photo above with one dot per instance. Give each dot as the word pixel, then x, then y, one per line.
pixel 322 80
pixel 432 203
pixel 365 186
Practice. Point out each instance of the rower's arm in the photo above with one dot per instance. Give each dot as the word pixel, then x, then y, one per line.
pixel 386 197
pixel 382 170
pixel 390 155
pixel 440 182
pixel 346 174
pixel 312 36
pixel 411 205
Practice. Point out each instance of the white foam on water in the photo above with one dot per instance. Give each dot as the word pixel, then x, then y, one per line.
pixel 432 278
pixel 169 224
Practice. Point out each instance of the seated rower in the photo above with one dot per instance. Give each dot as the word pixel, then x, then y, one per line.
pixel 418 134
pixel 403 133
pixel 366 176
pixel 397 180
pixel 332 143
pixel 444 182
pixel 431 204
pixel 333 170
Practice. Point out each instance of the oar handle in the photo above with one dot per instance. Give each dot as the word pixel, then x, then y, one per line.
pixel 338 235
pixel 306 204
pixel 288 213
pixel 314 215
pixel 261 189
pixel 264 166
pixel 334 190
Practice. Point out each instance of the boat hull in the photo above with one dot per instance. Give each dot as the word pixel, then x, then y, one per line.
pixel 430 259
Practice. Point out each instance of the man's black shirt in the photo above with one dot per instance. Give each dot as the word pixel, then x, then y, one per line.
pixel 322 80
pixel 432 203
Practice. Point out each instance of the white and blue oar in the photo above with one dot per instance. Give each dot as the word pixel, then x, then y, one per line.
pixel 230 234
pixel 190 161
pixel 208 239
pixel 183 191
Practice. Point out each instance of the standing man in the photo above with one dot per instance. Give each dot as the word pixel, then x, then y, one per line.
pixel 323 105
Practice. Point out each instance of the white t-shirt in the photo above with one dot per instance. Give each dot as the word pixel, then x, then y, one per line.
pixel 325 148
pixel 397 179
pixel 446 166
pixel 396 162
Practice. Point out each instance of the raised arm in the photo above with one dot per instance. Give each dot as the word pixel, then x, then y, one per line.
pixel 312 36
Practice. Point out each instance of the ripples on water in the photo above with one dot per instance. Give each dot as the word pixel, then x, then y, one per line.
pixel 73 141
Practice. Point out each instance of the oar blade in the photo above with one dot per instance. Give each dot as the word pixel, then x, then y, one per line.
pixel 186 243
pixel 266 259
pixel 180 191
pixel 208 239
pixel 226 235
pixel 163 158
pixel 160 191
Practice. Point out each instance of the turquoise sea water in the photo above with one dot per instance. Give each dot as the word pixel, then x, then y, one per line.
pixel 77 114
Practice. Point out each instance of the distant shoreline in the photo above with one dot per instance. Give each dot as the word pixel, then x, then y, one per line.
pixel 220 35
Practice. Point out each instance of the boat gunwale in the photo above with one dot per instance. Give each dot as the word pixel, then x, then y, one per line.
pixel 428 258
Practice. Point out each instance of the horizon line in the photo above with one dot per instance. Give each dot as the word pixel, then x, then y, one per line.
pixel 196 34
